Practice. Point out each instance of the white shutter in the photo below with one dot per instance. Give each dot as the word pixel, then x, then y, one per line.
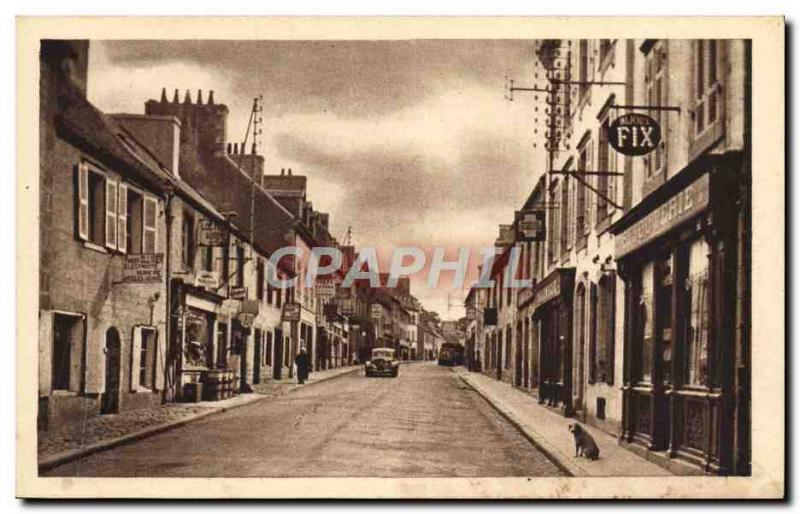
pixel 122 217
pixel 149 225
pixel 45 352
pixel 83 201
pixel 160 358
pixel 136 355
pixel 111 214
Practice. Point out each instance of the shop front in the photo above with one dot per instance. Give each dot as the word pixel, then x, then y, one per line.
pixel 677 255
pixel 551 302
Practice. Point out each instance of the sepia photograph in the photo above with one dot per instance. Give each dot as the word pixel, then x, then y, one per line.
pixel 393 266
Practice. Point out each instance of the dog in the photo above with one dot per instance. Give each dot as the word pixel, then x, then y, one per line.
pixel 584 443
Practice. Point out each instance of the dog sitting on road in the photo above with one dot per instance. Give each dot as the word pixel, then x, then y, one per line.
pixel 584 443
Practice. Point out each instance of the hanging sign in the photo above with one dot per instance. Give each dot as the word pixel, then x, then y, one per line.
pixel 505 236
pixel 291 311
pixel 634 134
pixel 143 268
pixel 376 311
pixel 207 279
pixel 530 225
pixel 211 234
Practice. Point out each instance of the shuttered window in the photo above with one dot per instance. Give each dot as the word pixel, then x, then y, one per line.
pixel 122 219
pixel 149 228
pixel 83 201
pixel 111 214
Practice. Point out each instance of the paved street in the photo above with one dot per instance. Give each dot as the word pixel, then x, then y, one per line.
pixel 426 422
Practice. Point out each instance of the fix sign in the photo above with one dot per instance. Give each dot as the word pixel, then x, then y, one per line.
pixel 634 134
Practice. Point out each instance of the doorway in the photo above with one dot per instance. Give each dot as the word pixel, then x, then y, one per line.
pixel 257 358
pixel 277 361
pixel 110 401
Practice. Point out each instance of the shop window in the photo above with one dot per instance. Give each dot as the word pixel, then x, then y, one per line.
pixel 67 357
pixel 664 316
pixel 198 339
pixel 698 309
pixel 656 83
pixel 646 323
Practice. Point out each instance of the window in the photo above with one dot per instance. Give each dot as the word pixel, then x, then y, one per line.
pixel 260 280
pixel 92 195
pixel 583 68
pixel 655 80
pixel 698 309
pixel 225 263
pixel 707 86
pixel 149 227
pixel 606 163
pixel 208 258
pixel 552 228
pixel 187 240
pixel 606 45
pixel 565 243
pixel 67 363
pixel 134 221
pixel 582 204
pixel 222 345
pixel 240 265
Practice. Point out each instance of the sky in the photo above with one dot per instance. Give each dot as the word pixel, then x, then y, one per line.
pixel 409 142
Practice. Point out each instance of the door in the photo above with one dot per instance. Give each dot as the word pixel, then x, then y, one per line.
pixel 240 342
pixel 277 360
pixel 579 348
pixel 257 358
pixel 110 402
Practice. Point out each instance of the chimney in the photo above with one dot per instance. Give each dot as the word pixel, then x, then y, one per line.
pixel 229 148
pixel 241 148
pixel 235 148
pixel 211 97
pixel 290 172
pixel 175 99
pixel 163 95
pixel 188 98
pixel 283 172
pixel 199 97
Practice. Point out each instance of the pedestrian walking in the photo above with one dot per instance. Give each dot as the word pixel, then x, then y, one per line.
pixel 301 361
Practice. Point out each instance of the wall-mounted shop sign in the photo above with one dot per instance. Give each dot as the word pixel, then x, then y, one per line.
pixel 375 311
pixel 237 292
pixel 346 306
pixel 505 236
pixel 207 279
pixel 325 289
pixel 687 203
pixel 211 234
pixel 634 134
pixel 524 296
pixel 530 225
pixel 143 268
pixel 558 282
pixel 291 312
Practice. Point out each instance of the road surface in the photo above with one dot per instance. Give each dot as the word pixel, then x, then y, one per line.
pixel 425 423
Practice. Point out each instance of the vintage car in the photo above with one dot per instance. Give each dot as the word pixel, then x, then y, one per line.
pixel 382 363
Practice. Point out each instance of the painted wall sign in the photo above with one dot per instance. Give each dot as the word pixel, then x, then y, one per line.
pixel 687 203
pixel 375 311
pixel 143 268
pixel 634 134
pixel 207 279
pixel 237 292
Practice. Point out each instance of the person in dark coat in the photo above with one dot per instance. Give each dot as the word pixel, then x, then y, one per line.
pixel 302 363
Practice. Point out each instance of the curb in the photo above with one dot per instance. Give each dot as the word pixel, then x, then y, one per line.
pixel 62 458
pixel 552 453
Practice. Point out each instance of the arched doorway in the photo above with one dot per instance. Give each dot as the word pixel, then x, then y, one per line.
pixel 110 398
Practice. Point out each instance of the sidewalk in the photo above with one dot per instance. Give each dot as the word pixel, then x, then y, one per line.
pixel 70 442
pixel 549 432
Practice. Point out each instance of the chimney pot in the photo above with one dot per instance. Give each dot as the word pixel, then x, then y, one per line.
pixel 211 97
pixel 199 97
pixel 163 95
pixel 176 98
pixel 229 148
pixel 290 172
pixel 235 148
pixel 283 171
pixel 188 98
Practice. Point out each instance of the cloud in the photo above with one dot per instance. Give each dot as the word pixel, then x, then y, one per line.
pixel 410 142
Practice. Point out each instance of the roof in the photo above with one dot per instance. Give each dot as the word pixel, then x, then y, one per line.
pixel 85 125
